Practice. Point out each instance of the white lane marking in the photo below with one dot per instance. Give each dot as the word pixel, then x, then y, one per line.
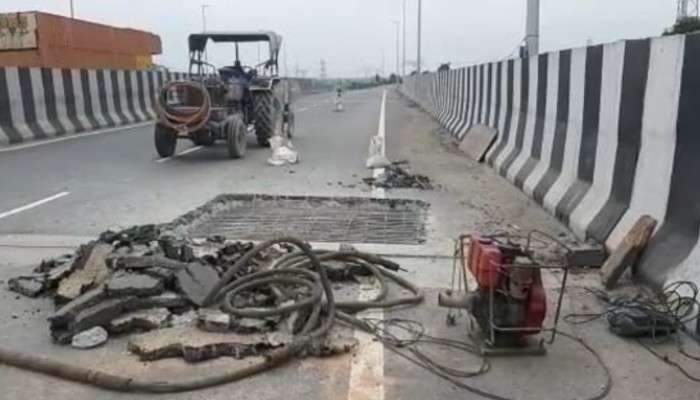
pixel 34 204
pixel 72 137
pixel 367 369
pixel 381 134
pixel 302 109
pixel 182 153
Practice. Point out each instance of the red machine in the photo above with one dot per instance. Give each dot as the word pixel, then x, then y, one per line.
pixel 509 302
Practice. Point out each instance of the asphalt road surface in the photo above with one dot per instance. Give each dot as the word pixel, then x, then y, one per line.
pixel 55 194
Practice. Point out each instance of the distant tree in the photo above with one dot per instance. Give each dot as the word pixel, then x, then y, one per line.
pixel 444 67
pixel 685 25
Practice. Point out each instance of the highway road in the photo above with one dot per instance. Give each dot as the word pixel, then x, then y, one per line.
pixel 55 194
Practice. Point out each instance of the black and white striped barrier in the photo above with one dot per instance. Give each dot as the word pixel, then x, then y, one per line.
pixel 597 135
pixel 40 103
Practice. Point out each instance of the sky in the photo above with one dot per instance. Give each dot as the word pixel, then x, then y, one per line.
pixel 358 37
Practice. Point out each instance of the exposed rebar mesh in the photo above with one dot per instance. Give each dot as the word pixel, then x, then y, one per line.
pixel 317 219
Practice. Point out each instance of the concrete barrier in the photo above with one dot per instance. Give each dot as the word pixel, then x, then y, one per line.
pixel 598 136
pixel 40 103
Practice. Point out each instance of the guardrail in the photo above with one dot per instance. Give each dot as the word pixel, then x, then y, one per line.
pixel 39 103
pixel 597 135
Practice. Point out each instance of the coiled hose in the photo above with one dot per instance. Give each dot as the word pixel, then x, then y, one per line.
pixel 189 117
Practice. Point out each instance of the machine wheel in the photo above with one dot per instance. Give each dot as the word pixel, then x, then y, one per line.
pixel 236 137
pixel 203 138
pixel 266 109
pixel 166 141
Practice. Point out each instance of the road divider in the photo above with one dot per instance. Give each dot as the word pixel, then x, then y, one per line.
pixel 45 103
pixel 598 136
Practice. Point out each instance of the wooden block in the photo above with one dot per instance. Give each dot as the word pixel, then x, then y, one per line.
pixel 477 141
pixel 628 252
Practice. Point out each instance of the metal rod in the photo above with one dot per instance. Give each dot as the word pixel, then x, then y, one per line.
pixel 398 43
pixel 72 10
pixel 420 16
pixel 403 66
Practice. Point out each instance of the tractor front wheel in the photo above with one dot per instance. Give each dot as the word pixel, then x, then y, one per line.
pixel 166 140
pixel 236 137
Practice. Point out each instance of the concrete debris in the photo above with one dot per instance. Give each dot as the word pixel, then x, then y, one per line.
pixel 90 338
pixel 150 286
pixel 212 320
pixel 98 315
pixel 195 345
pixel 140 321
pixel 396 177
pixel 123 283
pixel 188 318
pixel 141 234
pixel 30 286
pixel 196 281
pixel 251 325
pixel 69 311
pixel 89 270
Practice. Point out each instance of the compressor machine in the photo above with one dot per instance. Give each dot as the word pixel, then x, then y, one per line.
pixel 507 298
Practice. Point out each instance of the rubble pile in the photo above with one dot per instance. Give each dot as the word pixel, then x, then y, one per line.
pixel 151 285
pixel 397 177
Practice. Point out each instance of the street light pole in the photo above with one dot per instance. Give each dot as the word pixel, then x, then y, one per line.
pixel 72 10
pixel 204 17
pixel 403 65
pixel 420 16
pixel 532 36
pixel 398 51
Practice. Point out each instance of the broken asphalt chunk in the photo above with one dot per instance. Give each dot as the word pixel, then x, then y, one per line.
pixel 89 271
pixel 30 286
pixel 124 283
pixel 195 345
pixel 140 321
pixel 196 281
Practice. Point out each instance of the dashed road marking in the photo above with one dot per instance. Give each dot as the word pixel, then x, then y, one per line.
pixel 72 137
pixel 182 153
pixel 33 205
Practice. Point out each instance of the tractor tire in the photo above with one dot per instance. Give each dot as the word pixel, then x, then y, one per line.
pixel 236 137
pixel 203 138
pixel 166 141
pixel 266 109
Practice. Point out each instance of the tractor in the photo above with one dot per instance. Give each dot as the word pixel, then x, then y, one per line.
pixel 225 103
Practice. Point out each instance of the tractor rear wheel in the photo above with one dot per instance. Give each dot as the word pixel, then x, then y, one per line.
pixel 266 110
pixel 236 137
pixel 166 140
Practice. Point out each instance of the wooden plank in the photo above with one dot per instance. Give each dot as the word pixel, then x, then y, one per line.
pixel 628 252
